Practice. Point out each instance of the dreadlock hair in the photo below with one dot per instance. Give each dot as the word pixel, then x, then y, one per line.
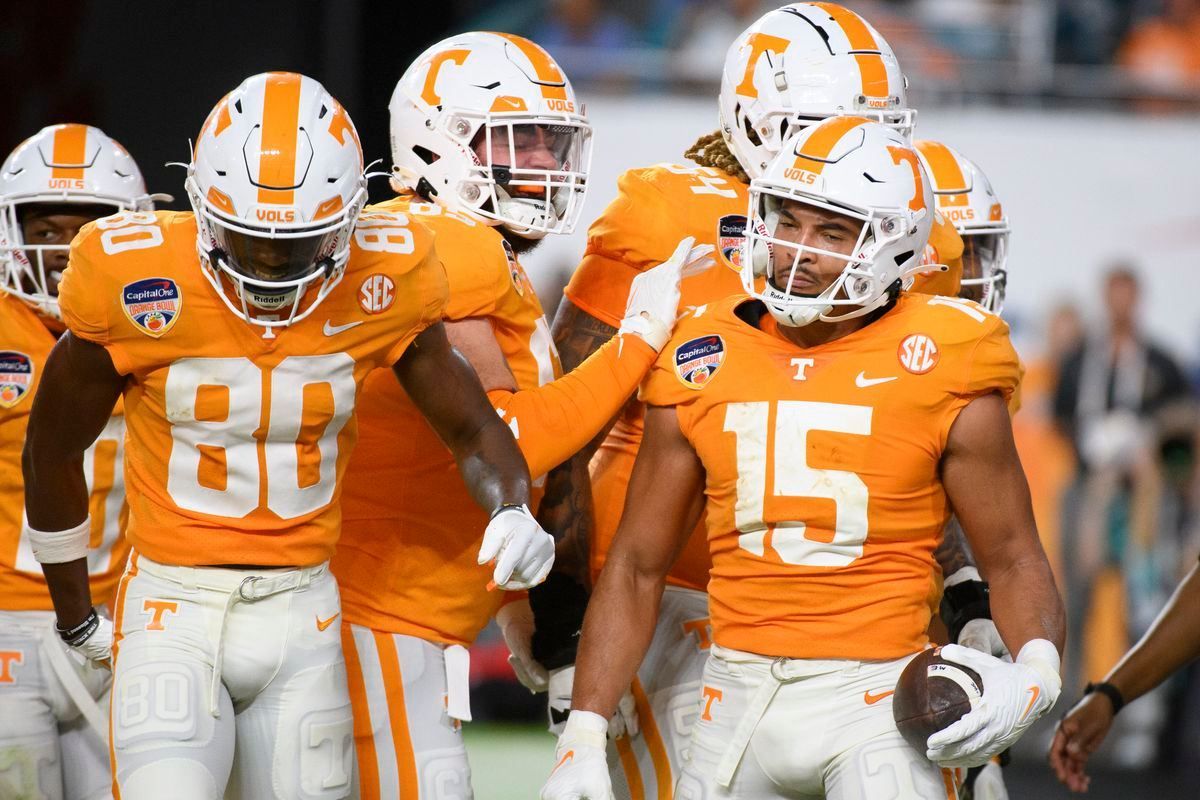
pixel 710 150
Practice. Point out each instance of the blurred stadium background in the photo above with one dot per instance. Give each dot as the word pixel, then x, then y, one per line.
pixel 1084 113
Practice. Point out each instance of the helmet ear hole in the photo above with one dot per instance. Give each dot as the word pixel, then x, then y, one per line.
pixel 425 154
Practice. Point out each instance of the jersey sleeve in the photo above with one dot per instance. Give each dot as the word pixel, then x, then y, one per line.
pixel 88 302
pixel 479 274
pixel 428 289
pixel 994 365
pixel 662 385
pixel 632 235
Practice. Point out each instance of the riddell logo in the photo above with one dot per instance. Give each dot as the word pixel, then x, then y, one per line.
pixel 800 176
pixel 272 215
pixel 66 183
pixel 557 104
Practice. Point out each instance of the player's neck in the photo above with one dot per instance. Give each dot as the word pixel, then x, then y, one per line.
pixel 818 333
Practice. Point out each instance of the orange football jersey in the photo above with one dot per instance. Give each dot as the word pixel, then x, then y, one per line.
pixel 824 503
pixel 25 344
pixel 238 436
pixel 410 530
pixel 655 207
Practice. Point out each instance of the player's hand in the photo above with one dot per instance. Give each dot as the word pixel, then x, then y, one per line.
pixel 562 684
pixel 981 634
pixel 1080 734
pixel 516 625
pixel 989 783
pixel 580 768
pixel 96 649
pixel 653 304
pixel 1015 695
pixel 523 551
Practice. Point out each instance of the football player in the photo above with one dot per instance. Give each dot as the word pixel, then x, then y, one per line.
pixel 828 423
pixel 795 66
pixel 53 184
pixel 964 197
pixel 491 150
pixel 239 336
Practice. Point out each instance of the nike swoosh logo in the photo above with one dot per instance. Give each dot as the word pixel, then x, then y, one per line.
pixel 333 330
pixel 567 756
pixel 872 699
pixel 1036 693
pixel 323 624
pixel 862 381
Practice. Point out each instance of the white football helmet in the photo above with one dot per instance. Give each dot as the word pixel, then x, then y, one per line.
pixel 61 164
pixel 506 95
pixel 276 182
pixel 798 65
pixel 856 168
pixel 964 197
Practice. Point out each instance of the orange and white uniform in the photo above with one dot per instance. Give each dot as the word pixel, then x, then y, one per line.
pixel 824 507
pixel 413 596
pixel 238 440
pixel 41 719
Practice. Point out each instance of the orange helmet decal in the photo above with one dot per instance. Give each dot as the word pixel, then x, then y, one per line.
pixel 70 151
pixel 946 174
pixel 870 64
pixel 814 154
pixel 759 43
pixel 549 77
pixel 429 91
pixel 277 157
pixel 908 156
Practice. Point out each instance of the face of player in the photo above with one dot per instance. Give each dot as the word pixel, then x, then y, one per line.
pixel 978 260
pixel 815 229
pixel 271 260
pixel 54 225
pixel 520 147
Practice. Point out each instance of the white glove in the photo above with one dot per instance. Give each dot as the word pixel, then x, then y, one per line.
pixel 562 683
pixel 1015 695
pixel 523 551
pixel 653 304
pixel 96 650
pixel 989 783
pixel 516 626
pixel 580 767
pixel 982 635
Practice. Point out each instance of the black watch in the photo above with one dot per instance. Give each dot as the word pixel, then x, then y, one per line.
pixel 1108 690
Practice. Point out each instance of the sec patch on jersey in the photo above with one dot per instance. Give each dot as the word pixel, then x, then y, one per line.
pixel 16 376
pixel 152 304
pixel 697 360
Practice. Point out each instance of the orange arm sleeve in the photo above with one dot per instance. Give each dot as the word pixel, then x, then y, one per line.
pixel 553 421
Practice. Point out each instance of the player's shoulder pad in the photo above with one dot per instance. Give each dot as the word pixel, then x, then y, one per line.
pixel 955 321
pixel 131 241
pixel 388 241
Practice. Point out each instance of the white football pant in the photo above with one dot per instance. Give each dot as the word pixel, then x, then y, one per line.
pixel 47 748
pixel 665 692
pixel 407 722
pixel 787 728
pixel 229 678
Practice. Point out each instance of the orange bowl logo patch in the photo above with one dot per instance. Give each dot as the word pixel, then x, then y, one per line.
pixel 152 305
pixel 697 360
pixel 377 293
pixel 731 238
pixel 918 353
pixel 16 377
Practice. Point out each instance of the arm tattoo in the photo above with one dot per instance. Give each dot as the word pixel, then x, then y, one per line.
pixel 953 553
pixel 566 509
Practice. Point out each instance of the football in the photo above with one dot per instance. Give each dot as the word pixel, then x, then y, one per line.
pixel 933 694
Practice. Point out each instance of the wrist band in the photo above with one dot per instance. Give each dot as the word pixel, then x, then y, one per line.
pixel 500 509
pixel 1108 690
pixel 79 634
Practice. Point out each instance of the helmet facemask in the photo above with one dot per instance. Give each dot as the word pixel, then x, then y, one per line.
pixel 33 271
pixel 865 283
pixel 985 274
pixel 530 174
pixel 272 269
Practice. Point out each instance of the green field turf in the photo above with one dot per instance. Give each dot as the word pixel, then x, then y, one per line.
pixel 508 762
